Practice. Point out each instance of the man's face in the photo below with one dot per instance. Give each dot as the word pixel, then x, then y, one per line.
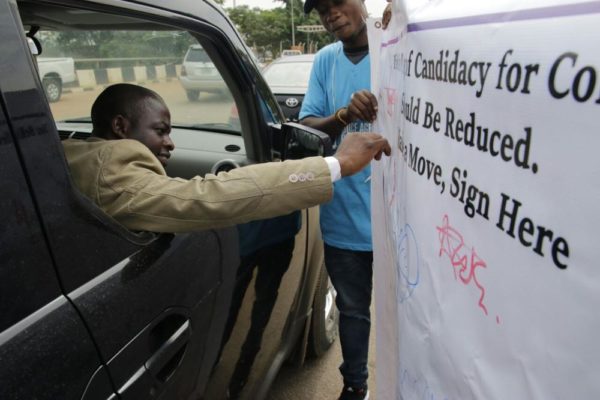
pixel 153 128
pixel 343 18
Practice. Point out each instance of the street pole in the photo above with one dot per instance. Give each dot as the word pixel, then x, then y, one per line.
pixel 293 35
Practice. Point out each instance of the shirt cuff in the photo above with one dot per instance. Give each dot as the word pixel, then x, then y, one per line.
pixel 334 168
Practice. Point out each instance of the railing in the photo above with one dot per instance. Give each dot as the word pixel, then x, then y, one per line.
pixel 92 72
pixel 116 62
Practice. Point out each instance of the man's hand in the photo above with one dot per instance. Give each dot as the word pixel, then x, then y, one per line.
pixel 358 149
pixel 363 106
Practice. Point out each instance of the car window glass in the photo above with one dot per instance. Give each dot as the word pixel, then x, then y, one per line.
pixel 77 65
pixel 288 74
pixel 196 54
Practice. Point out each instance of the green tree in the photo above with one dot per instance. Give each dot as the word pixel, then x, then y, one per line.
pixel 271 30
pixel 171 45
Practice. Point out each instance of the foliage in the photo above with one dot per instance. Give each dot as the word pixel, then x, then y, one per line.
pixel 116 44
pixel 271 30
pixel 266 31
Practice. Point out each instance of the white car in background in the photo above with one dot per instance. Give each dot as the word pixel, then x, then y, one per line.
pixel 288 79
pixel 199 74
pixel 286 53
pixel 56 73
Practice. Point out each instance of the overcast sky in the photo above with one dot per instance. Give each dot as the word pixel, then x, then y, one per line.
pixel 375 7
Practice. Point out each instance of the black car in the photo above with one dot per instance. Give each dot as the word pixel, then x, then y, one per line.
pixel 90 310
pixel 288 79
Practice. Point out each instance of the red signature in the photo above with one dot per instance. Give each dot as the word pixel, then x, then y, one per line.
pixel 463 258
pixel 392 100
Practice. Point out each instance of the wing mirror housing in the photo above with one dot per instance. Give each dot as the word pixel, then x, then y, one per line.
pixel 300 141
pixel 35 47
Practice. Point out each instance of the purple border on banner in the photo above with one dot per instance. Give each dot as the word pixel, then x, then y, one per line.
pixel 391 41
pixel 518 15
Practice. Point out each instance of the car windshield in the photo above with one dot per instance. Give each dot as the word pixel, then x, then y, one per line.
pixel 288 74
pixel 78 65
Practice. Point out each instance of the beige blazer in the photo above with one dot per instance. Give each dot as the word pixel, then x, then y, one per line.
pixel 129 183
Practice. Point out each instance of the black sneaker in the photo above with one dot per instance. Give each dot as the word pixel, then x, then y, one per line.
pixel 350 393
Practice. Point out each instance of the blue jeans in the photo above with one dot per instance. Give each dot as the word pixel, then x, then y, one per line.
pixel 351 273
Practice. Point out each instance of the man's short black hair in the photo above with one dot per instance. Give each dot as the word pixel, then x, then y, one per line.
pixel 121 99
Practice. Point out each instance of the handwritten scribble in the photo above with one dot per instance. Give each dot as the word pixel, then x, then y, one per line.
pixel 408 263
pixel 389 194
pixel 401 240
pixel 416 386
pixel 391 101
pixel 464 259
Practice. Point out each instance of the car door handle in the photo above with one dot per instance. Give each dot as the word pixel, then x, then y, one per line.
pixel 167 357
pixel 156 353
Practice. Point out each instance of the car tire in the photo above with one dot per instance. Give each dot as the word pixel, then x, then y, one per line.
pixel 192 94
pixel 52 88
pixel 325 317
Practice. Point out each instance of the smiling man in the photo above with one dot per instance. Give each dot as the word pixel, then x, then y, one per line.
pixel 121 168
pixel 126 111
pixel 339 100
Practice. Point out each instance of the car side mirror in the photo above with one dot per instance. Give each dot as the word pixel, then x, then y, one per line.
pixel 300 141
pixel 34 44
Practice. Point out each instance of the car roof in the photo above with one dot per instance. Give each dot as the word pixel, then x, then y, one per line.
pixel 291 59
pixel 61 18
pixel 285 89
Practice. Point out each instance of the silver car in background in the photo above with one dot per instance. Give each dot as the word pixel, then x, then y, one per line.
pixel 199 74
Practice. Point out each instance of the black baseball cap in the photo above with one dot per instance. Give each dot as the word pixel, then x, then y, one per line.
pixel 309 5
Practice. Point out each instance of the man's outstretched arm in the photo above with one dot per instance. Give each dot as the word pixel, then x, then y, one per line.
pixel 131 189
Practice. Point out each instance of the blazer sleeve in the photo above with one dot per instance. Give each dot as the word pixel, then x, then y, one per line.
pixel 134 191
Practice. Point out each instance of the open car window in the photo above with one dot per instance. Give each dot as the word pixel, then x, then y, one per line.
pixel 76 66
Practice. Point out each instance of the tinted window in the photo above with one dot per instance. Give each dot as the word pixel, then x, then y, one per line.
pixel 27 280
pixel 197 55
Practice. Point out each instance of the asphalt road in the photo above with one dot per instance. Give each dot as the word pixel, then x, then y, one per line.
pixel 209 107
pixel 319 379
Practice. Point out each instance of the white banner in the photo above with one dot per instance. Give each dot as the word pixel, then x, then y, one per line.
pixel 485 216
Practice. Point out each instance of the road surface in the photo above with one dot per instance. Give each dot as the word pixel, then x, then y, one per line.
pixel 319 379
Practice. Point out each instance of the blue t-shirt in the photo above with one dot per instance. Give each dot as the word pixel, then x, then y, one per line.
pixel 346 220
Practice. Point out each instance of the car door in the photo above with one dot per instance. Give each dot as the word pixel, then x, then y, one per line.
pixel 110 273
pixel 45 349
pixel 153 304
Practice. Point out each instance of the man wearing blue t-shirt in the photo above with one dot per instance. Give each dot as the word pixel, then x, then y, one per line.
pixel 338 95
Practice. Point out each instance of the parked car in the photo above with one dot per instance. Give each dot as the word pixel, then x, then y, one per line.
pixel 288 79
pixel 199 74
pixel 55 74
pixel 91 310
